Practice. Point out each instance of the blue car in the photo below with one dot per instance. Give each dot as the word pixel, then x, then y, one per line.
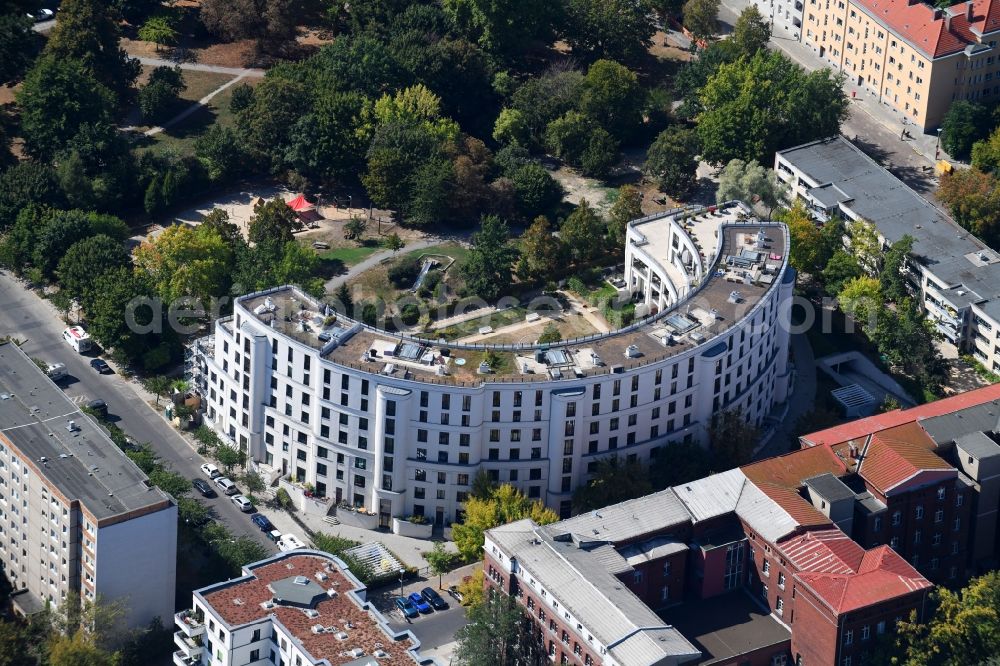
pixel 419 602
pixel 261 521
pixel 404 605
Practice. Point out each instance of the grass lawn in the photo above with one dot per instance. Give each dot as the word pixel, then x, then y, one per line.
pixel 348 256
pixel 199 84
pixel 453 250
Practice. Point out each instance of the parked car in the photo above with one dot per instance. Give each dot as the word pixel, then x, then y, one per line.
pixel 289 542
pixel 406 608
pixel 273 535
pixel 201 485
pixel 431 596
pixel 243 503
pixel 228 487
pixel 262 521
pixel 211 471
pixel 320 245
pixel 56 371
pixel 419 602
pixel 99 407
pixel 77 338
pixel 455 594
pixel 100 365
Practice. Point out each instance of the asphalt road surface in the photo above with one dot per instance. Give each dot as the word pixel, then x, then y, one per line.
pixel 26 316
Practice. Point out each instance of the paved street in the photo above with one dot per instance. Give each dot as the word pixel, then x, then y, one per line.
pixel 26 316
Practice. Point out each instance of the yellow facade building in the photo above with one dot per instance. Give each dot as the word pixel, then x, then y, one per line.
pixel 911 56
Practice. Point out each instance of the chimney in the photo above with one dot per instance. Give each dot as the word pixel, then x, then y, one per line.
pixel 947 21
pixel 968 11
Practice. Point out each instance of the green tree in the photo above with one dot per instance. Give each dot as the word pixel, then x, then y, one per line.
pixel 192 512
pixel 170 482
pixel 701 18
pixel 87 259
pixel 537 191
pixel 511 127
pixel 267 124
pixel 963 628
pixel 78 649
pixel 394 242
pixel 892 277
pixel 219 149
pixel 678 463
pixel 229 458
pixel 58 98
pixel 506 28
pixel 612 482
pixel 253 482
pixel 749 182
pixel 805 238
pixel 499 633
pixel 333 544
pixel 906 338
pixel 841 269
pixel 862 298
pixel 354 228
pixel 618 30
pixel 488 267
pixel 751 32
pixel 550 334
pixel 754 106
pixel 866 246
pixel 18 42
pixel 187 262
pixel 483 486
pixel 964 124
pixel 505 504
pixel 986 153
pixel 973 197
pixel 672 161
pixel 271 23
pixel 627 207
pixel 613 98
pixel 731 439
pixel 88 33
pixel 158 385
pixel 691 78
pixel 160 30
pixel 541 251
pixel 329 142
pixel 105 302
pixel 543 99
pixel 440 560
pixel 583 232
pixel 15 645
pixel 159 97
pixel 572 136
pixel 273 222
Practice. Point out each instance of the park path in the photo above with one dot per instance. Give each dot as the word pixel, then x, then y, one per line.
pixel 377 258
pixel 199 67
pixel 193 108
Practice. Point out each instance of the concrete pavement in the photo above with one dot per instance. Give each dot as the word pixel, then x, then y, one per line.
pixel 193 107
pixel 199 67
pixel 27 316
pixel 377 258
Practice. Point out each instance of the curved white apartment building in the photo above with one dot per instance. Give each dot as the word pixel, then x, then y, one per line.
pixel 401 425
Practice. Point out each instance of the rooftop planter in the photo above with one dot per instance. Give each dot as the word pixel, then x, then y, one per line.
pixel 357 516
pixel 421 529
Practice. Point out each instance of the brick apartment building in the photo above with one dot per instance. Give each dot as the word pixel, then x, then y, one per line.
pixel 803 558
pixel 910 55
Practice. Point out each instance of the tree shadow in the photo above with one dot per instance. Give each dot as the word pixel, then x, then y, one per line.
pixel 872 150
pixel 195 124
pixel 329 268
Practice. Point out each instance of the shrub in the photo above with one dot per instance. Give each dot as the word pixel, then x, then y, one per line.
pixel 409 314
pixel 417 520
pixel 403 274
pixel 284 500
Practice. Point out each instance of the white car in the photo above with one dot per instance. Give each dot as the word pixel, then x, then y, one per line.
pixel 244 504
pixel 211 471
pixel 227 485
pixel 289 542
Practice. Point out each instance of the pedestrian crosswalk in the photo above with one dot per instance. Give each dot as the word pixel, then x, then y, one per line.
pixel 78 399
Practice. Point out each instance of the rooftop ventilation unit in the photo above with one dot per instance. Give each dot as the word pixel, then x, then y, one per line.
pixel 341 635
pixel 301 580
pixel 381 654
pixel 632 351
pixel 310 612
pixel 735 297
pixel 317 629
pixel 356 652
pixel 321 576
pixel 268 605
pixel 71 426
pixel 597 360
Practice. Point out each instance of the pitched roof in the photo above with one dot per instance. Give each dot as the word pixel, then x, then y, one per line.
pixel 926 28
pixel 792 469
pixel 798 509
pixel 823 551
pixel 897 454
pixel 880 576
pixel 866 426
pixel 712 496
pixel 630 519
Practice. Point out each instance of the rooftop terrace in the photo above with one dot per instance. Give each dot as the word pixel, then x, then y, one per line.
pixel 65 447
pixel 721 302
pixel 308 593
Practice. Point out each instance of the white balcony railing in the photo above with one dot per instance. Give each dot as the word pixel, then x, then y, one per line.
pixel 190 647
pixel 189 623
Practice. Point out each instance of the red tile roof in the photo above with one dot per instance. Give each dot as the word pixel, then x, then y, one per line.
pixel 897 454
pixel 926 29
pixel 881 575
pixel 823 551
pixel 792 469
pixel 800 509
pixel 240 603
pixel 864 427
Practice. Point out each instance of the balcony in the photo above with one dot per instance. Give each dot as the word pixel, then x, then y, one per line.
pixel 181 660
pixel 190 623
pixel 190 648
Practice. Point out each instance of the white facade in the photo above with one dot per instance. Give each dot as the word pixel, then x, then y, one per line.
pixel 785 17
pixel 78 520
pixel 407 437
pixel 959 287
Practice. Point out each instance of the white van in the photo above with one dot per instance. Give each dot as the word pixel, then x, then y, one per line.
pixel 289 542
pixel 77 338
pixel 56 371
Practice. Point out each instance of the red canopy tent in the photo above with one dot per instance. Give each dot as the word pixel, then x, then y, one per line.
pixel 299 204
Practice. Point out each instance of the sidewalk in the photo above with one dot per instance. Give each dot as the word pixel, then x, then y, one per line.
pixel 407 549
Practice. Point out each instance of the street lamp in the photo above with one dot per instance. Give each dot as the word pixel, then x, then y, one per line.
pixel 937 146
pixel 401 572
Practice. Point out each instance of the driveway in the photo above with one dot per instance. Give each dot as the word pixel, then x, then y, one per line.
pixel 26 316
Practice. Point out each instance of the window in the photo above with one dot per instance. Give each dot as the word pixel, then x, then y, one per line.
pixel 849 637
pixel 938 516
pixel 781 580
pixel 941 492
pixel 959 500
pixel 767 568
pixel 920 512
pixel 779 607
pixel 897 518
